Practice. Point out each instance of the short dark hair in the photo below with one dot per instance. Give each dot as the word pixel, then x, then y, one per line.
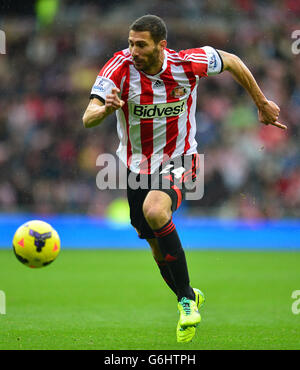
pixel 153 24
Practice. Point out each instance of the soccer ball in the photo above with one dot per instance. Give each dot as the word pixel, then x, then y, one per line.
pixel 36 244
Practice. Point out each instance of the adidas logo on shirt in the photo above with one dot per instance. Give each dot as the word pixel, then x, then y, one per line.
pixel 157 84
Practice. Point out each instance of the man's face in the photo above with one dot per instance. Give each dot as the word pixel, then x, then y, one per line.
pixel 146 54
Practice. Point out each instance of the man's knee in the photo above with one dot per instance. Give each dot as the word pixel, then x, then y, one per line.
pixel 157 210
pixel 156 216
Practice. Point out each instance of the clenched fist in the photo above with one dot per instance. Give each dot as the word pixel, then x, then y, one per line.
pixel 112 101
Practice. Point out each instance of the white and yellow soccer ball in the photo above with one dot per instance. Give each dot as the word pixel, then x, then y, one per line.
pixel 36 244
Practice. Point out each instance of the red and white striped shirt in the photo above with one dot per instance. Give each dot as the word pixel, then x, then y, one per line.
pixel 157 121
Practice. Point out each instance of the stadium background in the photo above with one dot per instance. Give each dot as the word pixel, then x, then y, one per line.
pixel 115 299
pixel 54 50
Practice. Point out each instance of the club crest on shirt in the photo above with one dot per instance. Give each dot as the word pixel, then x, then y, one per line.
pixel 178 92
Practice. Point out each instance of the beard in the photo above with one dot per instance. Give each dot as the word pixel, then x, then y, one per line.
pixel 149 62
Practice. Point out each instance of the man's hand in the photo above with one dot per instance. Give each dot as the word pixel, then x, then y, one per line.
pixel 112 101
pixel 97 111
pixel 268 114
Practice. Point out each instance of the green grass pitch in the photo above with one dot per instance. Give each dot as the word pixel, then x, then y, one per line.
pixel 116 300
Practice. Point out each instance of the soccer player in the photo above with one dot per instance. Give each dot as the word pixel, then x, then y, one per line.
pixel 153 91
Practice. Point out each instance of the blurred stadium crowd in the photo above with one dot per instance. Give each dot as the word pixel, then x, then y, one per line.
pixel 47 158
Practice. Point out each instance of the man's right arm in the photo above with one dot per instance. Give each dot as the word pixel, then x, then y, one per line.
pixel 97 111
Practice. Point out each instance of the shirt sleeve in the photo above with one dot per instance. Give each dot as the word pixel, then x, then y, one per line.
pixel 205 61
pixel 101 88
pixel 109 76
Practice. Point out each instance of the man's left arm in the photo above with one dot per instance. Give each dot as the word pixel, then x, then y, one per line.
pixel 268 111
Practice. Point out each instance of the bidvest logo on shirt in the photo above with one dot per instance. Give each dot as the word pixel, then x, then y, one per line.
pixel 149 111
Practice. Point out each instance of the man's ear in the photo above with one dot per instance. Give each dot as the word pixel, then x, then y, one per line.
pixel 163 44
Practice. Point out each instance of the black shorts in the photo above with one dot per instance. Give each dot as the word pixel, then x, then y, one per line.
pixel 172 178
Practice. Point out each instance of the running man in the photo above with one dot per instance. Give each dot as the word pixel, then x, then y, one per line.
pixel 153 91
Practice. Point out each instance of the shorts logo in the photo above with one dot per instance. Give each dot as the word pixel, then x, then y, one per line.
pixel 178 92
pixel 150 111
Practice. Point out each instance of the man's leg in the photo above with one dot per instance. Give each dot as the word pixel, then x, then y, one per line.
pixel 157 209
pixel 162 264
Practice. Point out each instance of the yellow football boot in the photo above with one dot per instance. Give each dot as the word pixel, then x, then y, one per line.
pixel 186 333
